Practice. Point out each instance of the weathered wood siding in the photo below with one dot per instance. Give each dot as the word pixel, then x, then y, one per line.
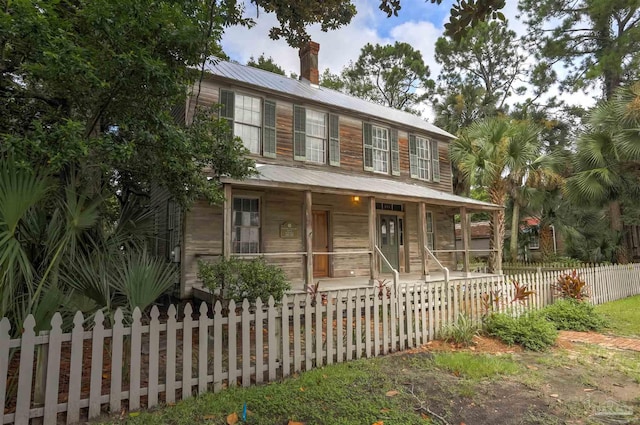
pixel 202 240
pixel 350 128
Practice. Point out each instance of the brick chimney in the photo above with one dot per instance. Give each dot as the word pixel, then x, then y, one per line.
pixel 309 62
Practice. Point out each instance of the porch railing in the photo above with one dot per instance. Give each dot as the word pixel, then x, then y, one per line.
pixel 396 274
pixel 444 269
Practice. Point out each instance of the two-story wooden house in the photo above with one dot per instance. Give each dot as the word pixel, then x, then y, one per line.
pixel 346 188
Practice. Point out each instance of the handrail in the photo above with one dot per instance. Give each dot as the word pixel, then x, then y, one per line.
pixel 396 279
pixel 396 274
pixel 444 269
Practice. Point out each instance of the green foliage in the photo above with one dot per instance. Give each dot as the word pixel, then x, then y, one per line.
pixel 391 75
pixel 476 366
pixel 572 286
pixel 571 314
pixel 267 64
pixel 482 69
pixel 461 332
pixel 58 252
pixel 597 41
pixel 530 330
pixel 237 279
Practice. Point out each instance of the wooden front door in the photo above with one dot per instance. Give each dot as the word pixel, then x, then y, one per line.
pixel 320 243
pixel 388 232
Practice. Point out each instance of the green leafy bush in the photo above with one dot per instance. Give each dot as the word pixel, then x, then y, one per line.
pixel 530 330
pixel 236 279
pixel 460 332
pixel 570 314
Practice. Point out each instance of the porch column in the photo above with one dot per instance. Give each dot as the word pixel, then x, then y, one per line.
pixel 372 240
pixel 227 221
pixel 497 242
pixel 308 241
pixel 422 239
pixel 464 229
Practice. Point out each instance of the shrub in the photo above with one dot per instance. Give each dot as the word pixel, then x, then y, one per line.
pixel 571 285
pixel 461 332
pixel 530 330
pixel 236 279
pixel 570 314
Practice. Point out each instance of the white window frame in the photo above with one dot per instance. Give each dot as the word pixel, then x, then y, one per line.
pixel 255 123
pixel 380 154
pixel 309 136
pixel 237 245
pixel 423 158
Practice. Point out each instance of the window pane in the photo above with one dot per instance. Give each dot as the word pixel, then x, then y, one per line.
pixel 316 140
pixel 250 136
pixel 423 159
pixel 380 143
pixel 246 222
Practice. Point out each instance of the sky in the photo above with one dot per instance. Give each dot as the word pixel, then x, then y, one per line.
pixel 419 23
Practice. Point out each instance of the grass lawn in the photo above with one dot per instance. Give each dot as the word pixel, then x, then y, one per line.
pixel 623 316
pixel 358 392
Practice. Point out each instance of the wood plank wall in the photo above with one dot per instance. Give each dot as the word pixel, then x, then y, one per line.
pixel 351 148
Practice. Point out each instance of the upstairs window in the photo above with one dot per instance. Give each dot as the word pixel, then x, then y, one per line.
pixel 252 120
pixel 381 153
pixel 424 162
pixel 316 136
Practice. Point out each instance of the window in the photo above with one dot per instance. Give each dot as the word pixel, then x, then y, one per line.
pixel 423 158
pixel 381 153
pixel 380 145
pixel 246 225
pixel 316 136
pixel 430 231
pixel 534 241
pixel 252 120
pixel 316 142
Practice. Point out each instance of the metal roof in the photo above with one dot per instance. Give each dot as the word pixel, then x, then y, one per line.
pixel 327 181
pixel 304 90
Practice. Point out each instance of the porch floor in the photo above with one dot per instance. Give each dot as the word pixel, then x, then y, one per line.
pixel 341 283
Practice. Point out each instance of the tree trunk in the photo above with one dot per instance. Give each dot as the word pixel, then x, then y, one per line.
pixel 497 194
pixel 515 221
pixel 546 243
pixel 615 220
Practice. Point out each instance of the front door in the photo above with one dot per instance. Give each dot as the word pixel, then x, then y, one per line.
pixel 388 240
pixel 320 238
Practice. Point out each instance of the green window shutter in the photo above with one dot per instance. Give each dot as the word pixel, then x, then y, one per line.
pixel 435 161
pixel 368 147
pixel 269 129
pixel 299 133
pixel 395 153
pixel 334 140
pixel 413 156
pixel 227 102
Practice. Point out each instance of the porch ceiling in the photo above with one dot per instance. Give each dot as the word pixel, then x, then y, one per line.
pixel 348 184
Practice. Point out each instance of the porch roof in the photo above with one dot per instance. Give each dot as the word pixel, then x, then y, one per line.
pixel 348 184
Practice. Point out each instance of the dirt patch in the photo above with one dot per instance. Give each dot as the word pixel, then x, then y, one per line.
pixel 570 384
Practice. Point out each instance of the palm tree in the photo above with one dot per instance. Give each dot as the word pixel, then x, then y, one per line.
pixel 497 154
pixel 608 158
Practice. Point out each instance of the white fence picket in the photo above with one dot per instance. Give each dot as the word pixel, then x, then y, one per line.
pixel 135 360
pixel 5 339
pixel 53 371
pixel 170 375
pixel 97 349
pixel 75 370
pixel 117 351
pixel 203 348
pixel 154 357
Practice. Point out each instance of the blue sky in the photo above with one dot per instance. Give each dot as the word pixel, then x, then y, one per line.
pixel 419 23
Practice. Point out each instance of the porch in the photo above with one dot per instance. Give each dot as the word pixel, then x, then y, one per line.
pixel 350 283
pixel 342 230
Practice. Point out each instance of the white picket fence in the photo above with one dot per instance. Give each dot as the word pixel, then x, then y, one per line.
pixel 67 377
